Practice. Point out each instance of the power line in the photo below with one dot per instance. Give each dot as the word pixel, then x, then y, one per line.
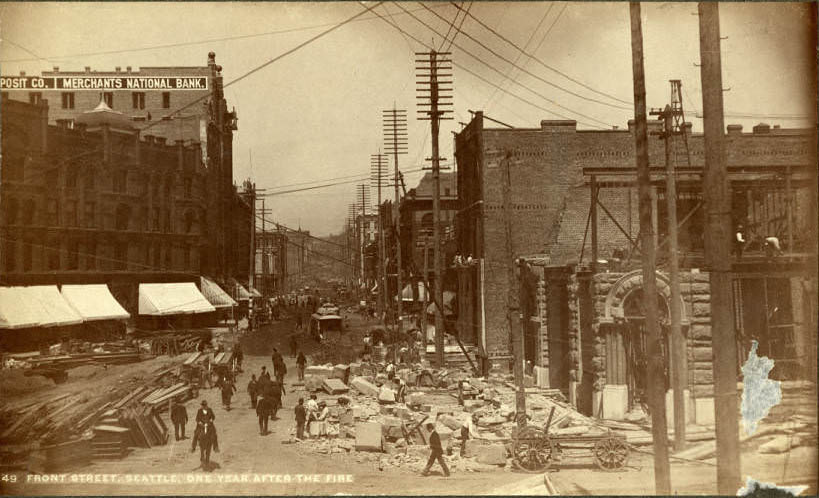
pixel 520 68
pixel 182 44
pixel 531 37
pixel 271 61
pixel 326 185
pixel 468 71
pixel 449 30
pixel 468 8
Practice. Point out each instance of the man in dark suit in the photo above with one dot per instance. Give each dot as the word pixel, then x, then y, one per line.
pixel 179 416
pixel 436 451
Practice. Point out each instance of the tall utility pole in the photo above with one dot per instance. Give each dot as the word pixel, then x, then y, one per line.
pixel 364 196
pixel 656 388
pixel 351 215
pixel 251 270
pixel 435 69
pixel 378 173
pixel 717 193
pixel 514 278
pixel 395 144
pixel 673 124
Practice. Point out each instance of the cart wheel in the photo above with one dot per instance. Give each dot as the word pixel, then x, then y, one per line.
pixel 611 453
pixel 533 451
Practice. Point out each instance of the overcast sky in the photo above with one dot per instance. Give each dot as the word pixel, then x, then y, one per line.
pixel 315 115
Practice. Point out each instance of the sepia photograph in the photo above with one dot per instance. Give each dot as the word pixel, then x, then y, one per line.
pixel 409 248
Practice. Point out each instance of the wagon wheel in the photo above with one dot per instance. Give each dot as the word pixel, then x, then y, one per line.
pixel 610 453
pixel 533 451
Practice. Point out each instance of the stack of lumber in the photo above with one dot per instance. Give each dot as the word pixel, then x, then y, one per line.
pixel 134 406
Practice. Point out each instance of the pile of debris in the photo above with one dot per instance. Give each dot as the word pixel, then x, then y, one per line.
pixel 131 410
pixel 368 420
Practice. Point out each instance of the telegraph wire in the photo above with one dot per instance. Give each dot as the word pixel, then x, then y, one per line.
pixel 271 61
pixel 468 8
pixel 520 68
pixel 187 43
pixel 479 77
pixel 449 30
pixel 531 37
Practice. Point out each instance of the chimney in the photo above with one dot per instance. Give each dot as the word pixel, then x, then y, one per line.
pixel 128 68
pixel 734 129
pixel 56 69
pixel 558 125
pixel 22 73
pixel 87 69
pixel 762 129
pixel 118 68
pixel 159 140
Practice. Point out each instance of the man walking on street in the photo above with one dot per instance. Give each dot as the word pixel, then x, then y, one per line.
pixel 252 390
pixel 179 416
pixel 301 361
pixel 263 411
pixel 301 417
pixel 436 451
pixel 294 345
pixel 275 398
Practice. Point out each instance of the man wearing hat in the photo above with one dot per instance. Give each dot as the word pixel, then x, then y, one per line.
pixel 179 416
pixel 203 416
pixel 436 451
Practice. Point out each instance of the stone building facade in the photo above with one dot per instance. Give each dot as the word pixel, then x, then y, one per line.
pixel 582 293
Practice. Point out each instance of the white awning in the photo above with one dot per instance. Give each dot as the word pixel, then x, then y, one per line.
pixel 254 292
pixel 215 295
pixel 172 299
pixel 17 310
pixel 56 311
pixel 94 302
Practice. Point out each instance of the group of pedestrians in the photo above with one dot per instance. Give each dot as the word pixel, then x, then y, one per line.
pixel 266 396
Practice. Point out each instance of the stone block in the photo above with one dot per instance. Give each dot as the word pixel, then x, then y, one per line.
pixel 703 354
pixel 386 410
pixel 386 395
pixel 704 411
pixel 702 309
pixel 346 418
pixel 703 376
pixel 341 372
pixel 470 405
pixel 391 428
pixel 364 386
pixel 403 412
pixel 450 421
pixel 700 331
pixel 471 448
pixel 541 376
pixel 493 454
pixel 319 371
pixel 355 368
pixel 615 402
pixel 426 408
pixel 416 399
pixel 334 386
pixel 313 383
pixel 368 436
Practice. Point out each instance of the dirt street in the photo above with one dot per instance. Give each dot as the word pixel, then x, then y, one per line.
pixel 250 464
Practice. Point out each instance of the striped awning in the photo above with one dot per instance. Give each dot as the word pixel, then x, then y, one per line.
pixel 215 295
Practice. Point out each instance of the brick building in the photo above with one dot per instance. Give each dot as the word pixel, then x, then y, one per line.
pixel 584 299
pixel 173 104
pixel 96 201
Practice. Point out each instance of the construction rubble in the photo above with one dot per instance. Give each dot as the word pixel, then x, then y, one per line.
pixel 367 422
